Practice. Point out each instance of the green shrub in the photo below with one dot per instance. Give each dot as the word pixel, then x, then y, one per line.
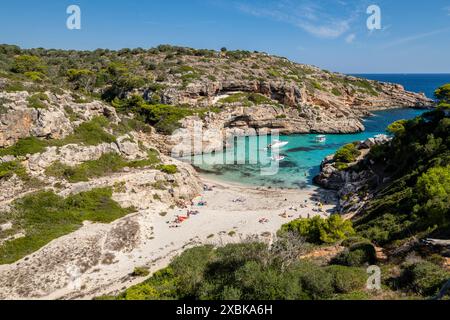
pixel 90 133
pixel 433 189
pixel 347 154
pixel 397 128
pixel 317 85
pixel 443 96
pixel 317 282
pixel 35 76
pixel 28 63
pixel 356 255
pixel 245 271
pixel 346 280
pixel 8 169
pixel 37 100
pixel 378 152
pixel 424 278
pixel 14 86
pixel 318 230
pixel 169 168
pixel 247 99
pixel 24 147
pixel 140 272
pixel 3 108
pixel 254 281
pixel 366 86
pixel 45 216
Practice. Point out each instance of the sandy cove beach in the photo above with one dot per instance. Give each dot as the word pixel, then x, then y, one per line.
pixel 231 213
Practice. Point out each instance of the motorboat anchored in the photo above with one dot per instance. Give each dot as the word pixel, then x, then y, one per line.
pixel 277 144
pixel 321 138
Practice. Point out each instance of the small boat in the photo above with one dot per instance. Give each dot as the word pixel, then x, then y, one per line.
pixel 321 138
pixel 277 144
pixel 278 158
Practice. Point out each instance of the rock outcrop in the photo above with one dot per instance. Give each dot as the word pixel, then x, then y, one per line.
pixel 355 183
pixel 20 120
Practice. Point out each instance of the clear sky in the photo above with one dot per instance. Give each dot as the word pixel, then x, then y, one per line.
pixel 332 34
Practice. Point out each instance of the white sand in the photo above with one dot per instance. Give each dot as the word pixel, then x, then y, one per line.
pixel 221 221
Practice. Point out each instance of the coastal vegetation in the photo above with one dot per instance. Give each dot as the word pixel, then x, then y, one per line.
pixel 44 216
pixel 255 271
pixel 247 271
pixel 319 231
pixel 107 164
pixel 417 199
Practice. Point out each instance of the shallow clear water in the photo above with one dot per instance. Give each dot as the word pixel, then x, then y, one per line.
pixel 303 155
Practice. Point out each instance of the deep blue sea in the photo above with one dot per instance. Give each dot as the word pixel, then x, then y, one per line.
pixel 303 155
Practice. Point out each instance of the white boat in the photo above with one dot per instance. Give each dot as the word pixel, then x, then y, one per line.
pixel 321 138
pixel 278 158
pixel 277 144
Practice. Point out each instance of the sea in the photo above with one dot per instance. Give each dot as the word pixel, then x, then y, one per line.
pixel 302 156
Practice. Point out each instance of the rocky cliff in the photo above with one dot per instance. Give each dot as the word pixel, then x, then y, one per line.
pixel 247 91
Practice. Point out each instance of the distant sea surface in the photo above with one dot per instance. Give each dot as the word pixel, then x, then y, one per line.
pixel 426 83
pixel 303 155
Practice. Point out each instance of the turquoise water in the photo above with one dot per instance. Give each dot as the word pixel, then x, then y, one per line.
pixel 303 155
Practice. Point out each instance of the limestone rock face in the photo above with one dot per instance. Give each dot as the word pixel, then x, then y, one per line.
pixel 53 122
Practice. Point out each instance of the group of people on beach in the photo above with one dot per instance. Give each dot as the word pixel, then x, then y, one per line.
pixel 179 219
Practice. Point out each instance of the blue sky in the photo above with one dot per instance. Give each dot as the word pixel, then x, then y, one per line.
pixel 332 34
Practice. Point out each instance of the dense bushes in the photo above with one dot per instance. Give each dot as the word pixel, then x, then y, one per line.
pixel 347 154
pixel 164 118
pixel 346 280
pixel 358 254
pixel 247 271
pixel 28 63
pixel 168 168
pixel 443 95
pixel 416 199
pixel 433 189
pixel 424 278
pixel 318 230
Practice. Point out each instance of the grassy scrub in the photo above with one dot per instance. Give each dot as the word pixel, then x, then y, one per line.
pixel 106 164
pixel 89 133
pixel 247 99
pixel 246 271
pixel 8 169
pixel 37 101
pixel 45 216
